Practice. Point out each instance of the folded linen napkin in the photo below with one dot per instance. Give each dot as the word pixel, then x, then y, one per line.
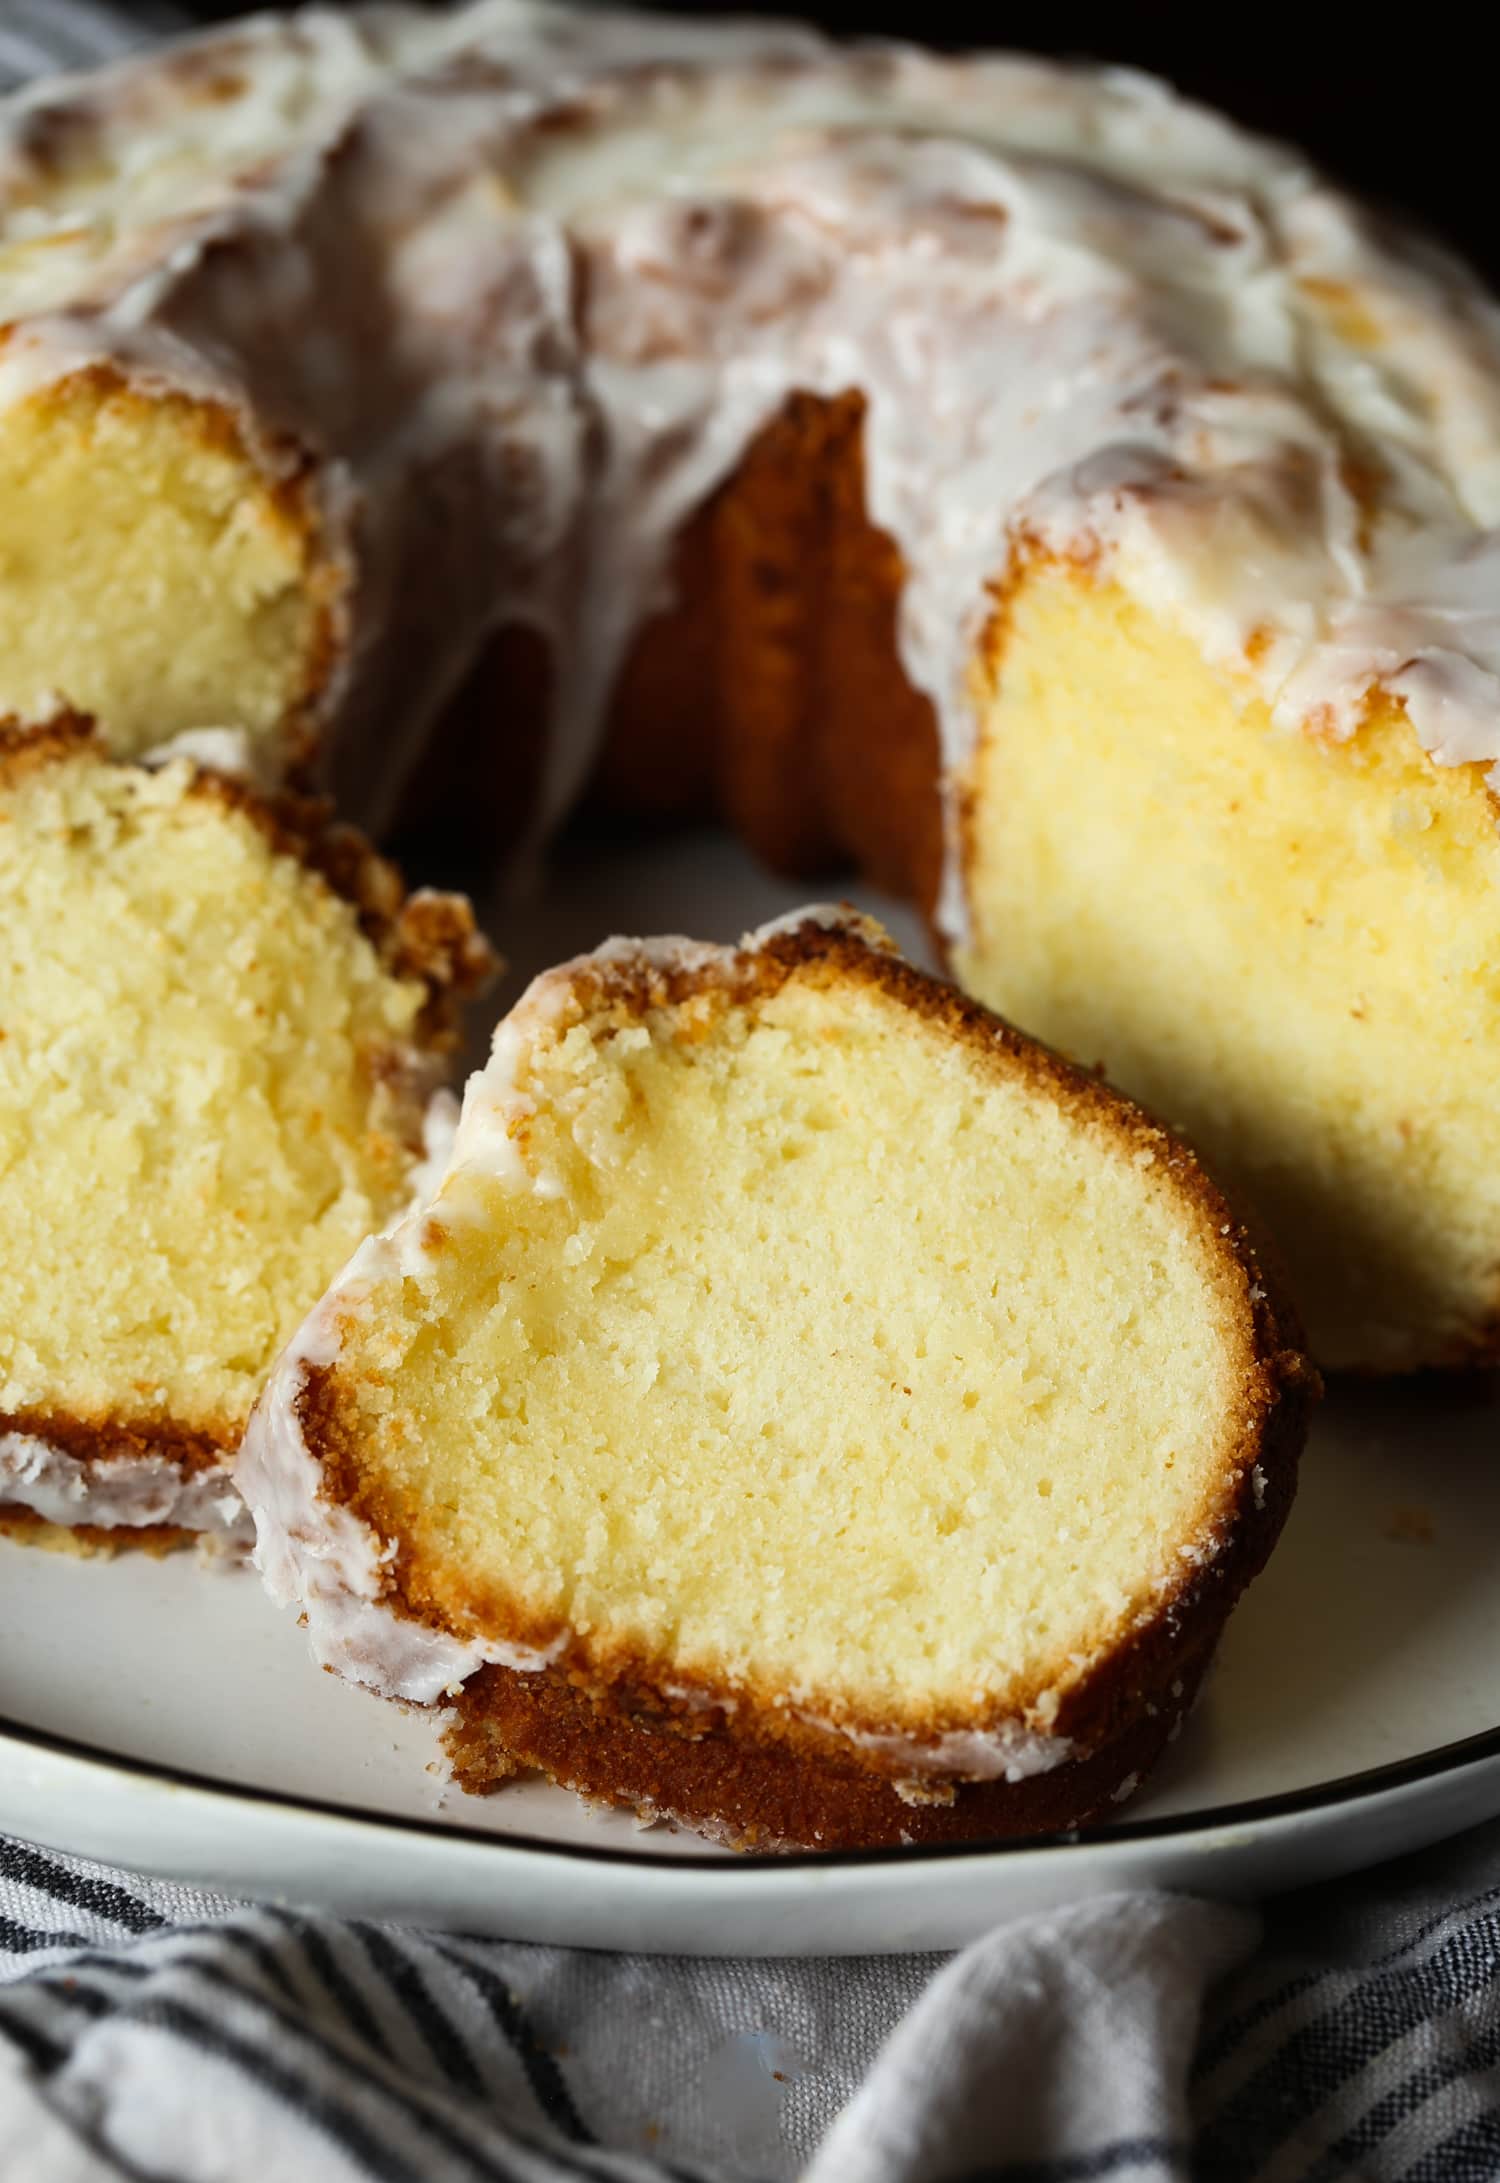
pixel 146 2030
pixel 38 36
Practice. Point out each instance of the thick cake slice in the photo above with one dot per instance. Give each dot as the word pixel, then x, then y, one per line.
pixel 1284 942
pixel 804 1407
pixel 1007 479
pixel 221 1032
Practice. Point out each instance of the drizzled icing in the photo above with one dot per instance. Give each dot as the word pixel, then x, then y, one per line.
pixel 318 1555
pixel 1011 1751
pixel 325 1559
pixel 527 280
pixel 123 1491
pixel 117 1492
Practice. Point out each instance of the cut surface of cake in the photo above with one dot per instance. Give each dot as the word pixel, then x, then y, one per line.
pixel 367 398
pixel 158 576
pixel 222 1032
pixel 1284 942
pixel 803 1408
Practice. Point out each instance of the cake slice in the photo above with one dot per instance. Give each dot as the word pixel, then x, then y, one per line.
pixel 222 1030
pixel 1008 480
pixel 804 1408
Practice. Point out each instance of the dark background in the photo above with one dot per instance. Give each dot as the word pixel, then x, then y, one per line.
pixel 1402 102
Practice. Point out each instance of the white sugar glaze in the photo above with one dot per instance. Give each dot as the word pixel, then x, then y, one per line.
pixel 124 1490
pixel 117 1492
pixel 316 1554
pixel 548 271
pixel 311 1551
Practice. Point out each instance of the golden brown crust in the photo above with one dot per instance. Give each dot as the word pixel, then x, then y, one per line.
pixel 769 1778
pixel 99 1442
pixel 1473 1347
pixel 759 1795
pixel 659 755
pixel 770 694
pixel 651 1737
pixel 108 1439
pixel 427 937
pixel 25 749
pixel 882 755
pixel 291 479
pixel 88 1540
pixel 772 530
pixel 567 1710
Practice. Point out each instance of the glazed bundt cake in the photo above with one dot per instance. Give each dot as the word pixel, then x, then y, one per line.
pixel 221 1033
pixel 803 1407
pixel 1006 477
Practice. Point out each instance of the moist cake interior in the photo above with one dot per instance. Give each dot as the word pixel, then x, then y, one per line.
pixel 1286 945
pixel 207 1095
pixel 807 1355
pixel 152 568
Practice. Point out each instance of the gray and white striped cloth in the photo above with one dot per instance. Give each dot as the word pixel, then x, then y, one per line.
pixel 38 36
pixel 1352 2032
pixel 146 2031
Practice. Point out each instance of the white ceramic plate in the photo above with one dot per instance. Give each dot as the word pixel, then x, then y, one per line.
pixel 166 1717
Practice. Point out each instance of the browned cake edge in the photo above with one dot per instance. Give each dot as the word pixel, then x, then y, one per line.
pixel 88 1541
pixel 770 694
pixel 424 936
pixel 293 482
pixel 756 1795
pixel 742 1762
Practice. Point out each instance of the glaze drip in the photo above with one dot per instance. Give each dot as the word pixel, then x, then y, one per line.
pixel 438 254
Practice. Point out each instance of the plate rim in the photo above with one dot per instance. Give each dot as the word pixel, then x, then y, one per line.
pixel 1318 1797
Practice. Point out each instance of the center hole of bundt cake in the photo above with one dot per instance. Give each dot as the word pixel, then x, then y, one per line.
pixel 821 1344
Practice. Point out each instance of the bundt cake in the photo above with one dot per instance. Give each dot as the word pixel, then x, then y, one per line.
pixel 1007 477
pixel 221 1035
pixel 803 1407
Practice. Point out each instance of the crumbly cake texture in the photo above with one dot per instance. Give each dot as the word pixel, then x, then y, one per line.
pixel 1300 973
pixel 804 1408
pixel 363 398
pixel 224 1029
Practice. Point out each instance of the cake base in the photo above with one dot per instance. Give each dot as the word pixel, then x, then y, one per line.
pixel 768 1796
pixel 90 1540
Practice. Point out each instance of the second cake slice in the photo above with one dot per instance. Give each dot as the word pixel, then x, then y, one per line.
pixel 805 1408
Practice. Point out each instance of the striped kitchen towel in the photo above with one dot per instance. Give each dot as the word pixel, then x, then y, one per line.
pixel 38 36
pixel 1351 2032
pixel 150 2032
